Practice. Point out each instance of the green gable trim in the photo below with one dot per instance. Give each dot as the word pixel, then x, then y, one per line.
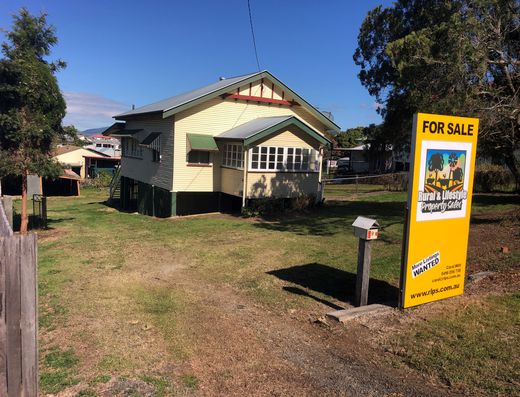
pixel 202 142
pixel 292 121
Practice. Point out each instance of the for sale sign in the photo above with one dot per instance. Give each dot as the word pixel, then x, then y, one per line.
pixel 439 206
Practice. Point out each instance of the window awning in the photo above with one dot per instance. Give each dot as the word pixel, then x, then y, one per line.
pixel 202 142
pixel 150 139
pixel 125 133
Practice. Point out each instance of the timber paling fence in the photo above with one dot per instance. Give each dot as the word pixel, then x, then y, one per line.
pixel 18 312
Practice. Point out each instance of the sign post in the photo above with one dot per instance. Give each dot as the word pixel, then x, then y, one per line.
pixel 439 206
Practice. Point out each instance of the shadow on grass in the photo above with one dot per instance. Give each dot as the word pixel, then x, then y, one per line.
pixel 336 283
pixel 35 223
pixel 334 217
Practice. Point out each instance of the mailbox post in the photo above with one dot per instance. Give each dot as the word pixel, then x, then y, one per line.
pixel 366 230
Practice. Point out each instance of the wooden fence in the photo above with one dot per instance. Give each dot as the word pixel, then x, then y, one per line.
pixel 18 312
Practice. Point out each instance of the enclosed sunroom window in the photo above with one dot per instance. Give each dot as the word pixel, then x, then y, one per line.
pixel 286 159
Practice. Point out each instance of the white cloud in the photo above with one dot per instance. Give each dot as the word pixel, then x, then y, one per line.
pixel 85 110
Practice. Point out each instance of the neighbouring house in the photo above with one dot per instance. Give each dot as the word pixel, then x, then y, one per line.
pixel 107 145
pixel 360 159
pixel 86 162
pixel 67 184
pixel 218 147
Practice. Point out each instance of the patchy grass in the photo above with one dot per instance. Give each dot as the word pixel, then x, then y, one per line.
pixel 58 370
pixel 162 386
pixel 189 381
pixel 471 348
pixel 107 285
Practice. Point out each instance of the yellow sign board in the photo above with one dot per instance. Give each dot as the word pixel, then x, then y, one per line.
pixel 439 207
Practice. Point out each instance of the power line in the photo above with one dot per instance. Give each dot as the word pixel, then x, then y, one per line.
pixel 253 33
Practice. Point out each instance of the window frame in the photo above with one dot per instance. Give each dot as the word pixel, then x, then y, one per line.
pixel 131 148
pixel 233 156
pixel 286 159
pixel 209 163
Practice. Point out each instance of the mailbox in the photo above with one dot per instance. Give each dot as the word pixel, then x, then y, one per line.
pixel 366 228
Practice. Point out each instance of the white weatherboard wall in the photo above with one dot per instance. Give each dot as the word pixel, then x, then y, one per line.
pixel 145 170
pixel 213 118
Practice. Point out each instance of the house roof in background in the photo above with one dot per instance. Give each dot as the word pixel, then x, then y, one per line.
pixel 259 128
pixel 69 174
pixel 175 104
pixel 65 149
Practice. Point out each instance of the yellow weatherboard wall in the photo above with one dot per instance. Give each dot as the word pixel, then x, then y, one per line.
pixel 439 203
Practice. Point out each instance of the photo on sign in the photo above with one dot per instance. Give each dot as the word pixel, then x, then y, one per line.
pixel 443 189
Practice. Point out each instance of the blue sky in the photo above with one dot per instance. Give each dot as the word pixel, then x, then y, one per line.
pixel 121 53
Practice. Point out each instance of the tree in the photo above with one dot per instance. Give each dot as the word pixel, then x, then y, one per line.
pixel 436 163
pixel 31 104
pixel 350 137
pixel 71 137
pixel 452 57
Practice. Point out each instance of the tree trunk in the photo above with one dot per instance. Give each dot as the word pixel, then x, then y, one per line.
pixel 511 164
pixel 25 218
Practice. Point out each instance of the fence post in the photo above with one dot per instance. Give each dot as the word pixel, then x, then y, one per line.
pixel 3 332
pixel 18 349
pixel 29 317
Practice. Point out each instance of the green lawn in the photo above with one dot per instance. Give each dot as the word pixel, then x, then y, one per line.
pixel 473 347
pixel 105 311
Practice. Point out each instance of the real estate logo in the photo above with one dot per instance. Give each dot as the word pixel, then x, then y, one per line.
pixel 442 190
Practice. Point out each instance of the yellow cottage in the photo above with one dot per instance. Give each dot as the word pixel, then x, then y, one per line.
pixel 219 147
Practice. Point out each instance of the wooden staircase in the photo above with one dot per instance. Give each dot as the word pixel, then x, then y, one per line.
pixel 115 188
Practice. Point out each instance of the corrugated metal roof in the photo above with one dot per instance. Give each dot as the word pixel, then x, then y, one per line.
pixel 253 127
pixel 178 100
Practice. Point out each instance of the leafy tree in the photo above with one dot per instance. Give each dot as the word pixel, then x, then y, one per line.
pixel 70 136
pixel 349 138
pixel 31 104
pixel 436 163
pixel 442 56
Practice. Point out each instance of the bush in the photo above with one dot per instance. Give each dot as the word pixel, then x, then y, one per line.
pixel 273 206
pixel 394 182
pixel 102 180
pixel 492 178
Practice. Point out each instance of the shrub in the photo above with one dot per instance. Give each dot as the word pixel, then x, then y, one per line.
pixel 102 180
pixel 273 206
pixel 492 177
